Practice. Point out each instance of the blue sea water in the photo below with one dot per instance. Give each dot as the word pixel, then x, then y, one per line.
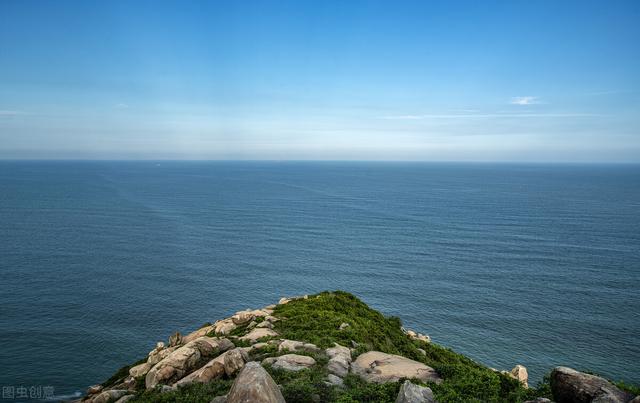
pixel 530 264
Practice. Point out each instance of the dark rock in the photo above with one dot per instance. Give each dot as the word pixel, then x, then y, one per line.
pixel 571 386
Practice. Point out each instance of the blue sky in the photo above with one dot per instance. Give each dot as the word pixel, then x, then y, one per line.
pixel 343 80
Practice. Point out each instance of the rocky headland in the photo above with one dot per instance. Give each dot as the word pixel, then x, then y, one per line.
pixel 330 347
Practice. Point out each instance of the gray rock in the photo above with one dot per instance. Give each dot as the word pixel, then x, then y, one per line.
pixel 571 386
pixel 94 389
pixel 378 367
pixel 219 399
pixel 333 380
pixel 340 359
pixel 343 326
pixel 539 400
pixel 254 384
pixel 411 393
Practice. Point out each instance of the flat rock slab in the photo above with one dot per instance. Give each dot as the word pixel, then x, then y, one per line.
pixel 290 362
pixel 378 367
pixel 257 334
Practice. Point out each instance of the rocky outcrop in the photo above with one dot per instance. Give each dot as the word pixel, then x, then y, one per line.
pixel 412 393
pixel 224 327
pixel 254 384
pixel 185 359
pixel 290 362
pixel 378 367
pixel 571 386
pixel 339 360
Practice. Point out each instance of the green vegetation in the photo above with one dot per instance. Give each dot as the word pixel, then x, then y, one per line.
pixel 317 320
pixel 194 393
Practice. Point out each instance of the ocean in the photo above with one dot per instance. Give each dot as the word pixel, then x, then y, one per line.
pixel 528 264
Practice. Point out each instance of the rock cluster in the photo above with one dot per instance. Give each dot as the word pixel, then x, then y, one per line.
pixel 242 345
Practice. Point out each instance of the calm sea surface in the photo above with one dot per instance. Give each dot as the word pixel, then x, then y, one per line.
pixel 530 264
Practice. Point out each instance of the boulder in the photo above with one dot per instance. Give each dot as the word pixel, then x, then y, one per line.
pixel 227 363
pixel 125 398
pixel 109 396
pixel 283 301
pixel 160 345
pixel 339 360
pixel 412 393
pixel 378 367
pixel 155 356
pixel 290 362
pixel 92 390
pixel 257 334
pixel 224 327
pixel 203 331
pixel 297 346
pixel 571 386
pixel 140 370
pixel 254 384
pixel 185 359
pixel 519 373
pixel 343 326
pixel 333 380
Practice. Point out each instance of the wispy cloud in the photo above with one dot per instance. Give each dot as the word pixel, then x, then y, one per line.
pixel 524 100
pixel 121 106
pixel 10 113
pixel 490 115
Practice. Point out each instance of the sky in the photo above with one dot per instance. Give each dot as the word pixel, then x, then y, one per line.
pixel 539 81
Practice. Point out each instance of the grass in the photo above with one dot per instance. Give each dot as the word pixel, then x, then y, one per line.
pixel 194 393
